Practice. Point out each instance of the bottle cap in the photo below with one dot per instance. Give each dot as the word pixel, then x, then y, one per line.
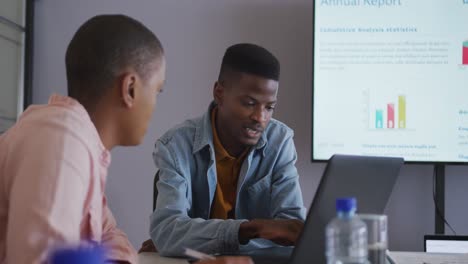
pixel 80 255
pixel 346 204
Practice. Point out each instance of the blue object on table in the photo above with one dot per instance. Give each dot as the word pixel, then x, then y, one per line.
pixel 80 255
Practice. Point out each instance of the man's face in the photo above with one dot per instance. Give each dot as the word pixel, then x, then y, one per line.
pixel 245 107
pixel 145 102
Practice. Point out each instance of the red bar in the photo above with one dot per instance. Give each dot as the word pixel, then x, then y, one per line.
pixel 390 116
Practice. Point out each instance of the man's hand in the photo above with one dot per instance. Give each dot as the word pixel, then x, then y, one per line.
pixel 228 260
pixel 284 232
pixel 148 246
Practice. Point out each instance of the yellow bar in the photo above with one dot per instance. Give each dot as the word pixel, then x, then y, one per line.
pixel 401 111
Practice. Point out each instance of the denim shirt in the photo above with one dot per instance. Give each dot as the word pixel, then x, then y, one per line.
pixel 267 188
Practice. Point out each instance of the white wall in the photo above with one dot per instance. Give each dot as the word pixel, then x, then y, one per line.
pixel 195 35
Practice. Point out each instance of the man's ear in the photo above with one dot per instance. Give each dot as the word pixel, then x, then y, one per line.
pixel 218 93
pixel 127 89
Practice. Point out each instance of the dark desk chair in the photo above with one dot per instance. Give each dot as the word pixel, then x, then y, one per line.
pixel 155 189
pixel 148 245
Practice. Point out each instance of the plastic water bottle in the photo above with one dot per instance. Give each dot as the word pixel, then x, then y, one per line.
pixel 346 235
pixel 78 255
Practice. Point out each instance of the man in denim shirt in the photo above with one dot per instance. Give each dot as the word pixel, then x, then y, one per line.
pixel 228 180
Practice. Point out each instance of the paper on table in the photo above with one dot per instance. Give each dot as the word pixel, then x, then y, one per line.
pixel 153 258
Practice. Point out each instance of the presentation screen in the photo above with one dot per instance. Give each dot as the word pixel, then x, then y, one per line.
pixel 390 78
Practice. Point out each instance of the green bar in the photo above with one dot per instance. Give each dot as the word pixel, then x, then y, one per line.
pixel 401 111
pixel 465 44
pixel 378 118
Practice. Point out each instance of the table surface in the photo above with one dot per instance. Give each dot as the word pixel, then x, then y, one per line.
pixel 398 257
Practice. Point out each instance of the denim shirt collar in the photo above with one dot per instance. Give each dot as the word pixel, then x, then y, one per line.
pixel 204 133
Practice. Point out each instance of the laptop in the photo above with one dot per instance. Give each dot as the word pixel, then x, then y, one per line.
pixel 369 179
pixel 445 244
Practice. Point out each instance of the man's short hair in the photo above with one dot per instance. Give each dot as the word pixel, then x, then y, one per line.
pixel 251 59
pixel 102 48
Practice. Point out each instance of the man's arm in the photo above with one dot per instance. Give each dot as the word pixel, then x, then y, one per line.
pixel 171 229
pixel 49 182
pixel 284 232
pixel 228 260
pixel 120 250
pixel 288 212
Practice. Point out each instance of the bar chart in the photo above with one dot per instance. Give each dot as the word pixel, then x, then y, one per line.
pixel 390 114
